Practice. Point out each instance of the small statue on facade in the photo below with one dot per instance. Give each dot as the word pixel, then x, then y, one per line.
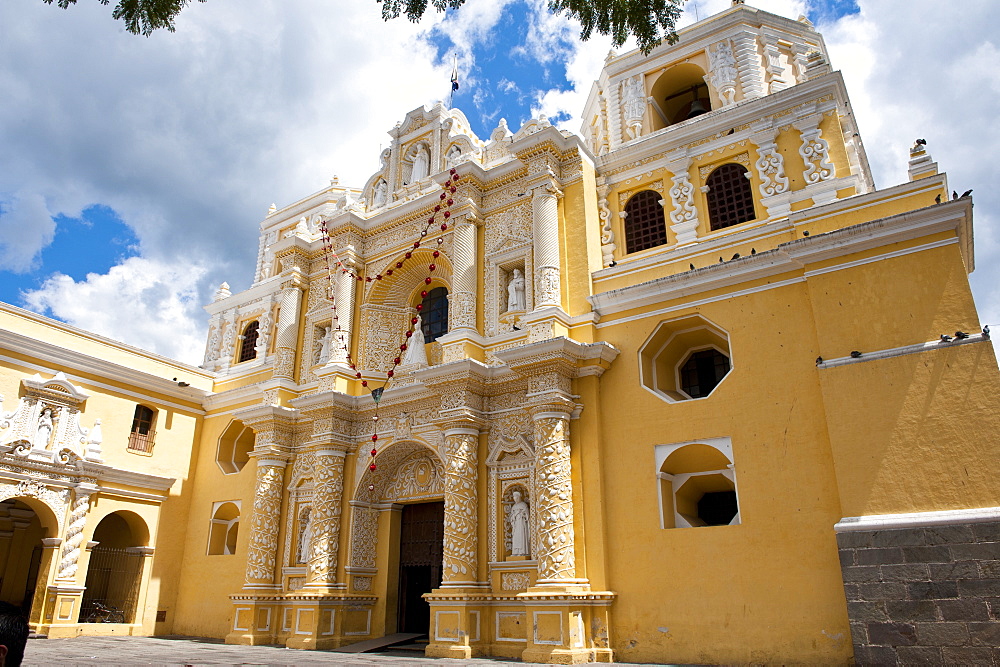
pixel 454 155
pixel 517 515
pixel 324 346
pixel 416 355
pixel 381 193
pixel 305 536
pixel 515 291
pixel 44 432
pixel 634 104
pixel 421 164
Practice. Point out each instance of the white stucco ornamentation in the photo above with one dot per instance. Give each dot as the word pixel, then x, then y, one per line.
pixel 460 506
pixel 554 507
pixel 328 481
pixel 73 540
pixel 633 105
pixel 722 75
pixel 815 153
pixel 264 523
pixel 771 169
pixel 685 215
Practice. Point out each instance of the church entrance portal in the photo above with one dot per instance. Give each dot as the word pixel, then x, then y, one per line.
pixel 421 535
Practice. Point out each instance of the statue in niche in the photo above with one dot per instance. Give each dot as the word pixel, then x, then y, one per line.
pixel 454 155
pixel 515 291
pixel 305 536
pixel 44 432
pixel 517 515
pixel 381 193
pixel 416 355
pixel 324 346
pixel 421 164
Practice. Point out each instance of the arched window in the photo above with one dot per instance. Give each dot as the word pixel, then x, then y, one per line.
pixel 730 197
pixel 224 529
pixel 697 484
pixel 248 350
pixel 434 314
pixel 143 433
pixel 645 224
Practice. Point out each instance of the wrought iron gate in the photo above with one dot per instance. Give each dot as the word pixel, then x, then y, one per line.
pixel 113 581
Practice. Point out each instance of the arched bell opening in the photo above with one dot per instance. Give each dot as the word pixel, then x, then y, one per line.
pixel 115 569
pixel 680 94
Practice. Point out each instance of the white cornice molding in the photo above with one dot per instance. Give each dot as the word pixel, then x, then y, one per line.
pixel 791 256
pixel 904 350
pixel 917 519
pixel 63 359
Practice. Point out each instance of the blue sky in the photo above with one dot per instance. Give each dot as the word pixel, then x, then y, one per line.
pixel 136 171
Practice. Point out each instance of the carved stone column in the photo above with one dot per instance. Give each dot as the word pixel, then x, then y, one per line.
pixel 772 63
pixel 70 559
pixel 462 300
pixel 328 489
pixel 685 215
pixel 461 558
pixel 288 331
pixel 554 505
pixel 346 287
pixel 264 522
pixel 545 223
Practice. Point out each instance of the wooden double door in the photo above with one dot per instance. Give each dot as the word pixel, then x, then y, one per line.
pixel 420 554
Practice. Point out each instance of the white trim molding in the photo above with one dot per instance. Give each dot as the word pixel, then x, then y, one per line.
pixel 917 519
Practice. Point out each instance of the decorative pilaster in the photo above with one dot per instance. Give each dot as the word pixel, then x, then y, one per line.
pixel 70 560
pixel 545 223
pixel 685 215
pixel 462 300
pixel 772 63
pixel 554 505
pixel 814 150
pixel 328 490
pixel 264 523
pixel 608 245
pixel 774 184
pixel 461 558
pixel 288 329
pixel 346 287
pixel 748 64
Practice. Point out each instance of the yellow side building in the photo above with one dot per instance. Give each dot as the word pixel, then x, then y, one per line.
pixel 684 388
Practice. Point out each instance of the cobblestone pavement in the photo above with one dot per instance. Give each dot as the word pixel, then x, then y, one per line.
pixel 198 651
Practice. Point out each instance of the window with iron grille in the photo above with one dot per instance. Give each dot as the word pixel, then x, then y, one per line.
pixel 141 437
pixel 248 350
pixel 434 314
pixel 702 372
pixel 730 197
pixel 645 224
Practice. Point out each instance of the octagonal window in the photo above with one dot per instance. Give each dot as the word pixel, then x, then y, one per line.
pixel 235 445
pixel 697 484
pixel 685 359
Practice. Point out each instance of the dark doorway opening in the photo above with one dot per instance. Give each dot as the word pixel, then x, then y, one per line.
pixel 421 535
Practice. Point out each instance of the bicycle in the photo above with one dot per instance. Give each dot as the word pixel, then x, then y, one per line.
pixel 105 614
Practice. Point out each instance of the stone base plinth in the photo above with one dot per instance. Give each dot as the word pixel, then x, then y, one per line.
pixel 300 621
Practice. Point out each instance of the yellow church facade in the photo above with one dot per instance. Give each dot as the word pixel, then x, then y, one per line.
pixel 684 388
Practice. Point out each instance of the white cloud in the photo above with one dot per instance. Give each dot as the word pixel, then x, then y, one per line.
pixel 26 227
pixel 141 302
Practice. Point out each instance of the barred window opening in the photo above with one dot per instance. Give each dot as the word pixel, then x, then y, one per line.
pixel 248 350
pixel 645 224
pixel 730 197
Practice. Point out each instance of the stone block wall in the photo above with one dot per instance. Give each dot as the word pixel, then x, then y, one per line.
pixel 928 594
